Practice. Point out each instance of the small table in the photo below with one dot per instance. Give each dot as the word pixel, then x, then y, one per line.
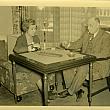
pixel 49 61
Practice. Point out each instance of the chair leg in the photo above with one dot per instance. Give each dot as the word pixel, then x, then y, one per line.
pixel 19 98
pixel 108 82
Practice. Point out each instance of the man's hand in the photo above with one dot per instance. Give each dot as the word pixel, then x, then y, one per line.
pixel 65 44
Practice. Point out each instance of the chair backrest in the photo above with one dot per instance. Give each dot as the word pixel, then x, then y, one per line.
pixel 3 48
pixel 103 63
pixel 11 43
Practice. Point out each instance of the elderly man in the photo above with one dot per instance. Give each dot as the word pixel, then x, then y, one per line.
pixel 95 42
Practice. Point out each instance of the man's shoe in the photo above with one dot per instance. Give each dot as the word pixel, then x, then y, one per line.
pixel 86 83
pixel 52 95
pixel 63 94
pixel 79 95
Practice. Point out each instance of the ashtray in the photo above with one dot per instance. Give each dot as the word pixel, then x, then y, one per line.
pixel 71 54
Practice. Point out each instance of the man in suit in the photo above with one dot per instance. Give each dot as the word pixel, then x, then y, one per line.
pixel 94 41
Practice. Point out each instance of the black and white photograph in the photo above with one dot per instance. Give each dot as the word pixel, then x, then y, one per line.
pixel 54 56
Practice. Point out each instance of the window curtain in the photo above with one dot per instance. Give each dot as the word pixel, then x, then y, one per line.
pixel 19 13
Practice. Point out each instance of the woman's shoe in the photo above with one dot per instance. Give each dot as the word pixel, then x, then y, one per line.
pixel 52 95
pixel 79 95
pixel 63 94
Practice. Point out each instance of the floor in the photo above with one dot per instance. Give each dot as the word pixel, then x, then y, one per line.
pixel 34 98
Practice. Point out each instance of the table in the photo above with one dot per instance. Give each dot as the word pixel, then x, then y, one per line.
pixel 49 61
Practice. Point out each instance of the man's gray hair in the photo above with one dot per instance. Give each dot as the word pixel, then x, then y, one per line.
pixel 97 19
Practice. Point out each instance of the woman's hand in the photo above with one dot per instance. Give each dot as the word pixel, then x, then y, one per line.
pixel 33 47
pixel 30 48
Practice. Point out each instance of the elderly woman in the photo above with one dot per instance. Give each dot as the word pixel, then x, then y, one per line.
pixel 27 42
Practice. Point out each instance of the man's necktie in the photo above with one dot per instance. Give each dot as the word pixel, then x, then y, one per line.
pixel 89 48
pixel 91 37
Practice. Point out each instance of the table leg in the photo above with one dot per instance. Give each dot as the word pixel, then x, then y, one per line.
pixel 45 80
pixel 63 80
pixel 90 83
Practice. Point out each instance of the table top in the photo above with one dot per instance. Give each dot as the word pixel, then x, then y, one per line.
pixel 52 56
pixel 51 60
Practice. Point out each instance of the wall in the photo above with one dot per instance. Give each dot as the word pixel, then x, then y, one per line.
pixel 5 20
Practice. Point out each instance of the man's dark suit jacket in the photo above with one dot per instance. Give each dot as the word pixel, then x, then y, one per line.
pixel 100 49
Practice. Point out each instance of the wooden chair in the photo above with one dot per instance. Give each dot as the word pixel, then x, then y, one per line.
pixel 3 62
pixel 18 84
pixel 90 83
